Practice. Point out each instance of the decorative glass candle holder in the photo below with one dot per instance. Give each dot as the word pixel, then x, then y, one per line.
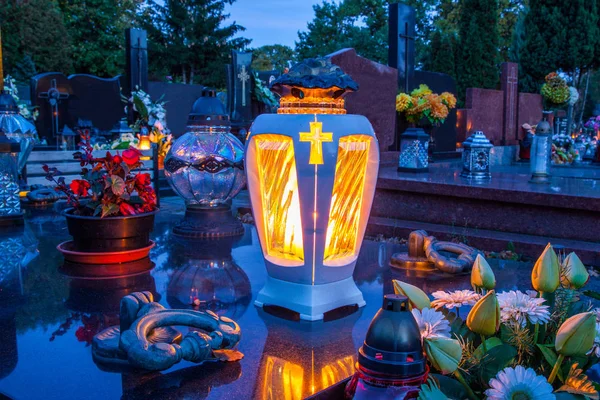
pixel 541 151
pixel 10 202
pixel 414 156
pixel 17 128
pixel 205 167
pixel 311 178
pixel 476 157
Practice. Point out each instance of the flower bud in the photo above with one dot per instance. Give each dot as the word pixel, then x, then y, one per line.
pixel 575 275
pixel 443 353
pixel 482 276
pixel 575 337
pixel 484 317
pixel 545 276
pixel 418 299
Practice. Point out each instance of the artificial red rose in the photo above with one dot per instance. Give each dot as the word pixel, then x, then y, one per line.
pixel 80 187
pixel 117 159
pixel 127 209
pixel 143 180
pixel 131 156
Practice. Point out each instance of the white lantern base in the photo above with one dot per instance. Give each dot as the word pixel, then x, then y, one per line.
pixel 310 301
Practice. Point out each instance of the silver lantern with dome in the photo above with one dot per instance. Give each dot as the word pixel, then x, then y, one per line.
pixel 205 167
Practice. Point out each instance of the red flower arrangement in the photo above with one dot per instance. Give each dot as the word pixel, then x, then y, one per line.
pixel 108 186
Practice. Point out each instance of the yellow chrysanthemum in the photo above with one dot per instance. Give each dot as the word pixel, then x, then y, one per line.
pixel 402 102
pixel 448 99
pixel 421 91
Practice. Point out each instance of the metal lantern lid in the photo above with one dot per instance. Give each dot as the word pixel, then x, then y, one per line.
pixel 477 140
pixel 8 103
pixel 544 127
pixel 393 342
pixel 8 145
pixel 208 111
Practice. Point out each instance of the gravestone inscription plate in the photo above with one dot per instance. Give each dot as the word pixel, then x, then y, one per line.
pixel 561 125
pixel 97 100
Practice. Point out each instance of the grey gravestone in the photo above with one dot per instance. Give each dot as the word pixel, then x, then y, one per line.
pixel 179 99
pixel 137 60
pixel 97 100
pixel 401 55
pixel 239 88
pixel 50 93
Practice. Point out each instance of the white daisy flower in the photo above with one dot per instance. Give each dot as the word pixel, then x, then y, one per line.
pixel 455 299
pixel 596 347
pixel 431 323
pixel 519 383
pixel 519 308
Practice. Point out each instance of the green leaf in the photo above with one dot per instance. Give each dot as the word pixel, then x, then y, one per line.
pixel 109 209
pixel 592 293
pixel 117 185
pixel 140 107
pixel 98 210
pixel 551 357
pixel 490 344
pixel 497 359
pixel 450 387
pixel 568 396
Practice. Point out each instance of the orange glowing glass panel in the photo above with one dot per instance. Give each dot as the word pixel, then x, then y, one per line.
pixel 313 101
pixel 336 371
pixel 279 195
pixel 283 380
pixel 347 197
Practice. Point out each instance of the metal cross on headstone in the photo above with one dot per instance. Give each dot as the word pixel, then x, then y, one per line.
pixel 243 76
pixel 407 38
pixel 54 96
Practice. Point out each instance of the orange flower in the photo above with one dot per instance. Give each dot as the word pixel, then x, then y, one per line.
pixel 448 99
pixel 438 109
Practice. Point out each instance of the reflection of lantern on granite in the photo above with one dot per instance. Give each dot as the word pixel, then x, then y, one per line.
pixel 414 145
pixel 302 358
pixel 391 355
pixel 205 167
pixel 206 277
pixel 541 151
pixel 476 157
pixel 10 202
pixel 311 179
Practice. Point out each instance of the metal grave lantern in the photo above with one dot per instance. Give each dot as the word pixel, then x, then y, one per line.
pixel 17 128
pixel 476 157
pixel 414 154
pixel 10 202
pixel 311 178
pixel 205 167
pixel 541 151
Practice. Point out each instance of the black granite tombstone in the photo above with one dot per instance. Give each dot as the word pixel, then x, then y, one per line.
pixel 401 55
pixel 50 93
pixel 239 90
pixel 65 101
pixel 137 60
pixel 561 126
pixel 97 100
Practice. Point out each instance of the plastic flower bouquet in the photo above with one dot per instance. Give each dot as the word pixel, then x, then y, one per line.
pixel 555 91
pixel 108 185
pixel 152 116
pixel 423 104
pixel 511 345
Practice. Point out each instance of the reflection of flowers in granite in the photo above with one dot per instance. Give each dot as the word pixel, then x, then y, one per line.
pixel 455 299
pixel 92 324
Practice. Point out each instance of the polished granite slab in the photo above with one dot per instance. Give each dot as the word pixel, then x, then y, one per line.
pixel 47 320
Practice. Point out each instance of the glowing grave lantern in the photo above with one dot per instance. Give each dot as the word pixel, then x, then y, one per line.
pixel 311 177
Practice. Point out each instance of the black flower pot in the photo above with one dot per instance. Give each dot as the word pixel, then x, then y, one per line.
pixel 110 234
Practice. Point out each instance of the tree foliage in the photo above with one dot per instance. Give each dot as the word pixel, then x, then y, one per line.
pixel 34 29
pixel 361 25
pixel 96 29
pixel 272 57
pixel 188 39
pixel 477 62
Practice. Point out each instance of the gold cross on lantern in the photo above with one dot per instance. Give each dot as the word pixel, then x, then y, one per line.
pixel 316 137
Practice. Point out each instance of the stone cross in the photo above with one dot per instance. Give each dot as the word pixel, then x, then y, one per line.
pixel 509 85
pixel 316 137
pixel 243 76
pixel 54 96
pixel 401 37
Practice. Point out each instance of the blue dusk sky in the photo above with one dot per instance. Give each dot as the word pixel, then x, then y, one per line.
pixel 272 21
